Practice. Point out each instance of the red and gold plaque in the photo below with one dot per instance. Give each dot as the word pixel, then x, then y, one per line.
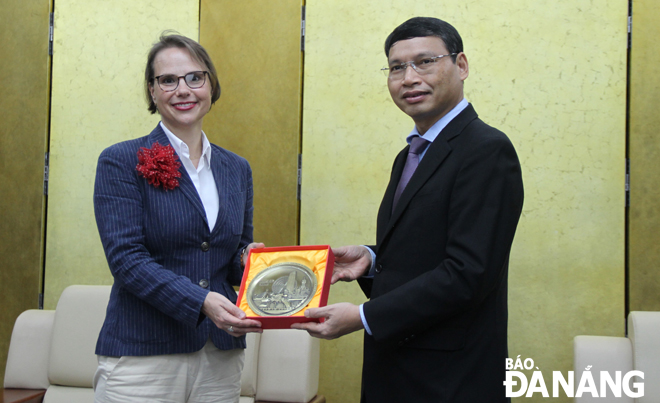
pixel 280 283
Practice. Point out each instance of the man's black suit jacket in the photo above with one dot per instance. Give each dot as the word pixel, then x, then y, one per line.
pixel 438 299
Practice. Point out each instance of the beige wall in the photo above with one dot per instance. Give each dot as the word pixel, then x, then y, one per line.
pixel 644 151
pixel 255 45
pixel 553 77
pixel 24 66
pixel 97 100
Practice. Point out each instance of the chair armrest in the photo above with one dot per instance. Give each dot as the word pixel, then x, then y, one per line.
pixel 288 366
pixel 601 353
pixel 13 395
pixel 315 399
pixel 251 364
pixel 643 332
pixel 29 350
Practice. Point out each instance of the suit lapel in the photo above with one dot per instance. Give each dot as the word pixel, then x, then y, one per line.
pixel 385 210
pixel 221 177
pixel 435 155
pixel 185 183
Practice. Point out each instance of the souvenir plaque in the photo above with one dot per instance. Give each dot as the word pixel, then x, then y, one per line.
pixel 281 289
pixel 280 283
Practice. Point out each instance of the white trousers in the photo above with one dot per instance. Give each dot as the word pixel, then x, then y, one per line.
pixel 208 375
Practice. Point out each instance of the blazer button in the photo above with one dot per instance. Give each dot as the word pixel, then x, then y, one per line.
pixel 205 246
pixel 204 283
pixel 379 268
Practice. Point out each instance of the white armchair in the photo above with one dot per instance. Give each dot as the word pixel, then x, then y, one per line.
pixel 54 351
pixel 639 351
pixel 281 366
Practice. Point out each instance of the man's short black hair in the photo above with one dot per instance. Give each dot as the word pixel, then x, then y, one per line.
pixel 426 26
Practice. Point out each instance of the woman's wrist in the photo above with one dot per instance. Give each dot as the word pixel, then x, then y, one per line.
pixel 242 255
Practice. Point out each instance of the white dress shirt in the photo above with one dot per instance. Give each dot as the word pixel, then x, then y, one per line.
pixel 202 176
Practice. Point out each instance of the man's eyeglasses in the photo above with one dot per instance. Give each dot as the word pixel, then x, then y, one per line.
pixel 170 82
pixel 421 66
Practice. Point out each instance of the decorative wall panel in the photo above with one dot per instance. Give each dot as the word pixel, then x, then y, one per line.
pixel 550 75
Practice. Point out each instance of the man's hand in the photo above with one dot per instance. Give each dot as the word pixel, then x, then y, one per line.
pixel 351 262
pixel 247 249
pixel 228 316
pixel 340 319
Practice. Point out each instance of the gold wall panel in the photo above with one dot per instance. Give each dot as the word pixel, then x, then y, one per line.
pixel 24 74
pixel 255 45
pixel 644 152
pixel 550 75
pixel 98 68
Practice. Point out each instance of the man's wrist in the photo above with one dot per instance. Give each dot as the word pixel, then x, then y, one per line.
pixel 364 320
pixel 370 272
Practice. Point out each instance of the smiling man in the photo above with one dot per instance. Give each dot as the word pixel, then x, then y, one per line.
pixel 436 322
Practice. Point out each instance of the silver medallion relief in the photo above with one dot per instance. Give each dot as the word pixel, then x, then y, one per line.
pixel 281 289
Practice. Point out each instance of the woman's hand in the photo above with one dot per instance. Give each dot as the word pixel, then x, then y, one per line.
pixel 228 316
pixel 253 245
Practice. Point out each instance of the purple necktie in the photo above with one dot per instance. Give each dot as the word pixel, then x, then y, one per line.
pixel 417 145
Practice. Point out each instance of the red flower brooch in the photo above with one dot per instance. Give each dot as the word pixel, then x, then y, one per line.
pixel 159 166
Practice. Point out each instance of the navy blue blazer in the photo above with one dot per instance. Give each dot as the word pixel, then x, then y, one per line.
pixel 162 255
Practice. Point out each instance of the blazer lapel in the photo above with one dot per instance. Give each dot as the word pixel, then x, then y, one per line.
pixel 435 155
pixel 221 176
pixel 185 183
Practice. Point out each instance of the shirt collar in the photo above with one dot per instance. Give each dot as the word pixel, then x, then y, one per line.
pixel 432 133
pixel 182 149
